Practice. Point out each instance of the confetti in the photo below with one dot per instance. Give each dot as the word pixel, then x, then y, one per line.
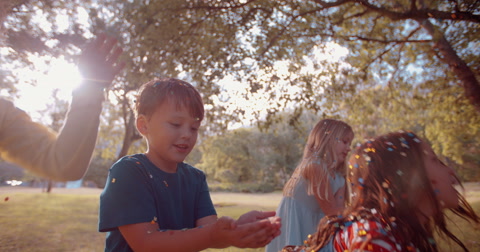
pixel 6 199
pixel 113 180
pixel 165 182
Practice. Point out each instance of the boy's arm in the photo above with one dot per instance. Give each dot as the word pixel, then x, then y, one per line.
pixel 221 234
pixel 206 220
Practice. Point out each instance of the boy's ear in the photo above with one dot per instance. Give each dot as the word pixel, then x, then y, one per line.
pixel 141 124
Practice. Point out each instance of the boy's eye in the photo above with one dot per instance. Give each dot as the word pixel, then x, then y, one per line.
pixel 175 124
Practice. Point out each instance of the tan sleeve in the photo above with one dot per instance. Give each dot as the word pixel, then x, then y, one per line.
pixel 63 156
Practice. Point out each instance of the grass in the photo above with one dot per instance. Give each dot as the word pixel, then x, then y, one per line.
pixel 66 219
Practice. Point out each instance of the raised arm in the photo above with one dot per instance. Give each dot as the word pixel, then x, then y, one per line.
pixel 66 155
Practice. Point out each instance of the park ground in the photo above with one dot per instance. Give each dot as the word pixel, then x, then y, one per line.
pixel 66 219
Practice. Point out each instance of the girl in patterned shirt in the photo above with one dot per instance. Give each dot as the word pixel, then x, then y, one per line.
pixel 399 193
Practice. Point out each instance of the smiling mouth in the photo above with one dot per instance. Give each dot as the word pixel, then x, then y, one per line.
pixel 181 146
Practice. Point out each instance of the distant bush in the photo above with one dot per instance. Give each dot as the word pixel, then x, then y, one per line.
pixel 241 187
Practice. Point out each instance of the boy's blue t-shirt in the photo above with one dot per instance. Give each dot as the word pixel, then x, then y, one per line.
pixel 137 191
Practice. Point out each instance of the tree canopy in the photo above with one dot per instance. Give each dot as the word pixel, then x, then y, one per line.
pixel 411 64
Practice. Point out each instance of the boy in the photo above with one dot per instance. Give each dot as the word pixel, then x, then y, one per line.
pixel 154 201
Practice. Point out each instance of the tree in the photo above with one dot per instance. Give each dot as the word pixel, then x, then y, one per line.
pixel 452 127
pixel 208 39
pixel 34 28
pixel 263 157
pixel 399 44
pixel 387 40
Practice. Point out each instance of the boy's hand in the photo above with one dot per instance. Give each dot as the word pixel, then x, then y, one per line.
pixel 254 216
pixel 98 61
pixel 250 231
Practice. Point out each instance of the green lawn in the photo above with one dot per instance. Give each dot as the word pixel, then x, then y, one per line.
pixel 66 219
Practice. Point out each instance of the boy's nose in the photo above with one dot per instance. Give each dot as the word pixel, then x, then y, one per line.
pixel 186 133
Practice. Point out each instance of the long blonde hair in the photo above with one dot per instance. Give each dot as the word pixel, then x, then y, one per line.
pixel 319 157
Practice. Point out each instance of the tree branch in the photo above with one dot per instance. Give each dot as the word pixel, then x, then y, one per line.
pixel 414 13
pixel 470 84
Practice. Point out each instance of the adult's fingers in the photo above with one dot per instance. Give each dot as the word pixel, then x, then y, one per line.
pixel 107 47
pixel 114 55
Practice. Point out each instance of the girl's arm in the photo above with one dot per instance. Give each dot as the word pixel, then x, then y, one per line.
pixel 329 202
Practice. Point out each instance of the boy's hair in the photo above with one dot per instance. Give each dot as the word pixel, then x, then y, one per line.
pixel 386 174
pixel 319 157
pixel 154 93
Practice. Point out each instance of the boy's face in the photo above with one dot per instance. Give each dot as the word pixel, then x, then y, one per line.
pixel 171 134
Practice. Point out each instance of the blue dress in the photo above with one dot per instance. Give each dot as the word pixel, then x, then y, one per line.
pixel 300 215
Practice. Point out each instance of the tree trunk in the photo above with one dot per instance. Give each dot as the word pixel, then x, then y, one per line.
pixel 49 186
pixel 459 67
pixel 131 135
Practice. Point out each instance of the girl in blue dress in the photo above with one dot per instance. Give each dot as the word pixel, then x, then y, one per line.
pixel 317 186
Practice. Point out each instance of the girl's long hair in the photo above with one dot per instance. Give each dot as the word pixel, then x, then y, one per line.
pixel 319 157
pixel 387 174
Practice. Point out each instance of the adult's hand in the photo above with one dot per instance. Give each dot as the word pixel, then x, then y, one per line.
pixel 98 62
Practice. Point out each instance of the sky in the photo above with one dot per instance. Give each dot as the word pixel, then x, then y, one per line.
pixel 59 75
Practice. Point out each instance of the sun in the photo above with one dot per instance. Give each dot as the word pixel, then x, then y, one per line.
pixel 51 75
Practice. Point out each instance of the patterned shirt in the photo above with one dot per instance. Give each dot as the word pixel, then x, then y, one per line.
pixel 373 234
